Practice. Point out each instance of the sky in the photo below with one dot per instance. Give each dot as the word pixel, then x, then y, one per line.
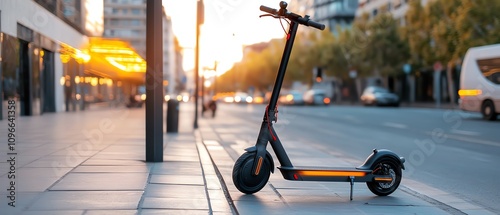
pixel 228 25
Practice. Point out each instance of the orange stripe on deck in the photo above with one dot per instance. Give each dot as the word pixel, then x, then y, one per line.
pixel 330 173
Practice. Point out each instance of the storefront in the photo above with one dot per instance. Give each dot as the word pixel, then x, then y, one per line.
pixel 49 65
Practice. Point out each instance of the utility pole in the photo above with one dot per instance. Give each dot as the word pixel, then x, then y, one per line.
pixel 199 20
pixel 154 81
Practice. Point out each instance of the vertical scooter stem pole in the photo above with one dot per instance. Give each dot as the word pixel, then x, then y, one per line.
pixel 282 69
pixel 266 131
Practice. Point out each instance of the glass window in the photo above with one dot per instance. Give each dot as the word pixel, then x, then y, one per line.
pixel 135 22
pixel 352 4
pixel 136 11
pixel 113 21
pixel 335 7
pixel 490 69
pixel 108 10
pixel 137 2
pixel 115 11
pixel 9 66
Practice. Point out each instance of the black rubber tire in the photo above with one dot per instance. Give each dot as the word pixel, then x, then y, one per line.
pixel 488 110
pixel 385 166
pixel 243 178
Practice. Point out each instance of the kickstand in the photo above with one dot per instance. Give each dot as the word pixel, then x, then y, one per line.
pixel 351 180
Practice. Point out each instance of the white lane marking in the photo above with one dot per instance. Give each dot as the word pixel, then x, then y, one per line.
pixel 472 140
pixel 463 132
pixel 395 125
pixel 468 139
pixel 323 114
pixel 352 119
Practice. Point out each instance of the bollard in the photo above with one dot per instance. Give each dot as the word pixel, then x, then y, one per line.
pixel 172 116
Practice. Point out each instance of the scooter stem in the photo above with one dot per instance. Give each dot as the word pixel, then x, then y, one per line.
pixel 282 69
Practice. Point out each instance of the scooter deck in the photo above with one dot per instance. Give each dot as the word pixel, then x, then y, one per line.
pixel 341 174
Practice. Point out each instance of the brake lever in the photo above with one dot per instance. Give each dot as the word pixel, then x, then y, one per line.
pixel 271 15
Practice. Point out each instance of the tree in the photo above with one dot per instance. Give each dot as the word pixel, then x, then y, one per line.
pixel 444 30
pixel 387 52
pixel 373 47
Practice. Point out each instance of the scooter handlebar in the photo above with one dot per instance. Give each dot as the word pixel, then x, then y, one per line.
pixel 268 10
pixel 311 23
pixel 292 16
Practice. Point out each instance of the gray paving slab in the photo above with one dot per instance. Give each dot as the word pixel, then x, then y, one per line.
pixel 175 191
pixel 51 212
pixel 57 161
pixel 23 200
pixel 177 168
pixel 175 203
pixel 112 169
pixel 111 212
pixel 114 162
pixel 87 200
pixel 173 212
pixel 177 179
pixel 45 177
pixel 102 181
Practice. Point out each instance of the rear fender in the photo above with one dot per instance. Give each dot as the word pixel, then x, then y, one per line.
pixel 380 153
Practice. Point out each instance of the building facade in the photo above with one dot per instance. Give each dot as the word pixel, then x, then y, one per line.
pixel 126 20
pixel 335 14
pixel 53 58
pixel 169 64
pixel 34 36
pixel 397 8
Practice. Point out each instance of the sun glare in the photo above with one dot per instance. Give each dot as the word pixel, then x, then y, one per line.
pixel 228 26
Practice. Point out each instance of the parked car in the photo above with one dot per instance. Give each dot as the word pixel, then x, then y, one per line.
pixel 241 97
pixel 291 98
pixel 374 95
pixel 316 97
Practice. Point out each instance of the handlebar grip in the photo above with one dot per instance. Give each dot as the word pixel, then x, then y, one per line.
pixel 315 25
pixel 268 9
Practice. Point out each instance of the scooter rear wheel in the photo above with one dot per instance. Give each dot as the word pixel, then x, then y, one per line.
pixel 244 180
pixel 389 167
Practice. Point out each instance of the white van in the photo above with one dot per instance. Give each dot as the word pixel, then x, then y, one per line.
pixel 480 81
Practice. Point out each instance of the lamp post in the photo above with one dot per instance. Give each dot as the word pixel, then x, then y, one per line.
pixel 353 74
pixel 199 21
pixel 408 87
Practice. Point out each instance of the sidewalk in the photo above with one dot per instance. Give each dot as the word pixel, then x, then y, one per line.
pixel 92 162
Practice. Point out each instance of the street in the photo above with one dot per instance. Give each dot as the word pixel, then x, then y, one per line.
pixel 448 150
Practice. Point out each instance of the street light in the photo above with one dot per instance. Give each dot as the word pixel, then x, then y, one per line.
pixel 353 74
pixel 199 21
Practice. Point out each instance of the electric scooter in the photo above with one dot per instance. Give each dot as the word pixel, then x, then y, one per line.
pixel 382 170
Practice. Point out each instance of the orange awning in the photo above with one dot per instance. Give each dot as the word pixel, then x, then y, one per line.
pixel 114 59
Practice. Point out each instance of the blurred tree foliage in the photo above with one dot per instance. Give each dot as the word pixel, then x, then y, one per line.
pixel 442 30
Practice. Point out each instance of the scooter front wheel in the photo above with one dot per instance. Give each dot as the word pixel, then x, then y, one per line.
pixel 244 179
pixel 387 167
